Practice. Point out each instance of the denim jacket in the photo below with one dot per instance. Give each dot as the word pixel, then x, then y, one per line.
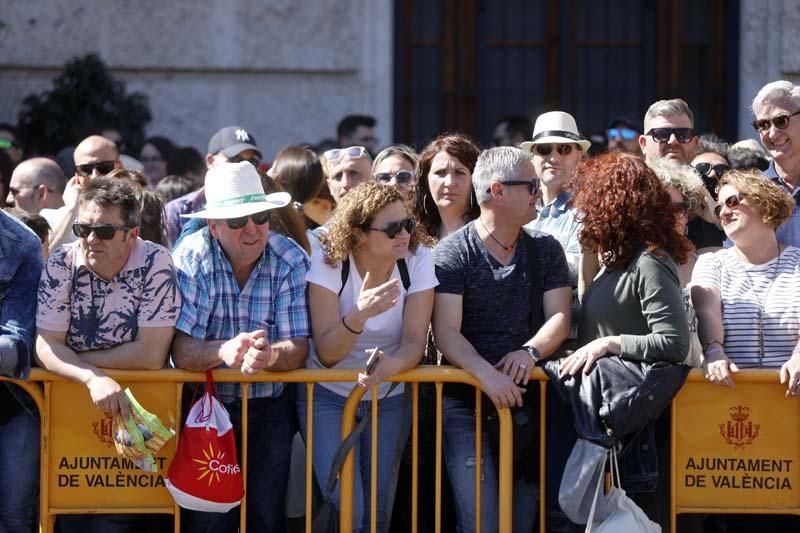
pixel 20 269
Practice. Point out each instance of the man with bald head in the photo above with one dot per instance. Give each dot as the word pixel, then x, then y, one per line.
pixel 94 156
pixel 36 184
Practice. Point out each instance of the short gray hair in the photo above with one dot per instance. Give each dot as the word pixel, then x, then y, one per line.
pixel 683 178
pixel 775 91
pixel 668 108
pixel 503 163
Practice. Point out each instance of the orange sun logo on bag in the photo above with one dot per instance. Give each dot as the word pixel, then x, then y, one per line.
pixel 212 465
pixel 739 432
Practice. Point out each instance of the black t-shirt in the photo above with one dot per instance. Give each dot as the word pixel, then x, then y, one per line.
pixel 704 234
pixel 496 307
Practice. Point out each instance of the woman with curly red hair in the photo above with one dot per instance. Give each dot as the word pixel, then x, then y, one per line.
pixel 633 331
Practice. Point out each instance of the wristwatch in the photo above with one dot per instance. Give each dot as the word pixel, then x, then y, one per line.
pixel 533 352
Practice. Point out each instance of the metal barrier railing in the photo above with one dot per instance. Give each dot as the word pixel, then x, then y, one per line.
pixel 732 450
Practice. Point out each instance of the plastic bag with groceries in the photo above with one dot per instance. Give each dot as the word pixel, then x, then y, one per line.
pixel 141 436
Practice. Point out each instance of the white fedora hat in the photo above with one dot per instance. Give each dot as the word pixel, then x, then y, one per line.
pixel 555 127
pixel 234 190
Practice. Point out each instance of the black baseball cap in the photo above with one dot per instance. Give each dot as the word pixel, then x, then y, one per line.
pixel 232 141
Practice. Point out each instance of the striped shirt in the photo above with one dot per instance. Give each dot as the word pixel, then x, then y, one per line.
pixel 273 299
pixel 776 284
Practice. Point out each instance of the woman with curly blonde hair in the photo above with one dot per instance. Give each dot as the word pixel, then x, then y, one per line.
pixel 747 297
pixel 370 287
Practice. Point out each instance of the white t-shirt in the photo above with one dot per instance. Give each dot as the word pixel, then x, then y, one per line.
pixel 54 217
pixel 781 319
pixel 383 330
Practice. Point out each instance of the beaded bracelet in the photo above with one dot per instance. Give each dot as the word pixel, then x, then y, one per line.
pixel 351 330
pixel 709 343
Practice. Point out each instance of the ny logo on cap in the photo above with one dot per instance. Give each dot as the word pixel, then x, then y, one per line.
pixel 242 135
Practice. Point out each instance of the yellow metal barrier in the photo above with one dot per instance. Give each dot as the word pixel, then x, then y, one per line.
pixel 80 471
pixel 733 450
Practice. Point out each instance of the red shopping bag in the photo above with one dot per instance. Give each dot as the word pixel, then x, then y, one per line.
pixel 205 474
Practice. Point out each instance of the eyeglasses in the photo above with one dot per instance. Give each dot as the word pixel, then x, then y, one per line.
pixel 392 229
pixel 14 191
pixel 259 219
pixel 401 178
pixel 731 202
pixel 352 152
pixel 545 149
pixel 626 134
pixel 663 135
pixel 533 185
pixel 781 122
pixel 151 159
pixel 103 168
pixel 253 160
pixel 103 231
pixel 706 168
pixel 681 208
pixel 5 144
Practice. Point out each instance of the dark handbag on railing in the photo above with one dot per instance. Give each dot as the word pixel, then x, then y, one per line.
pixel 326 519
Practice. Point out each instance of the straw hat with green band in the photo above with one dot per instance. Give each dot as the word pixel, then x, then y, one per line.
pixel 234 190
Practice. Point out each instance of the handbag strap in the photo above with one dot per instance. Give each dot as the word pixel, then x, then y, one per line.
pixel 346 445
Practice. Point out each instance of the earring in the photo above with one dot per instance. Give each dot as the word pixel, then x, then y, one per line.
pixel 425 203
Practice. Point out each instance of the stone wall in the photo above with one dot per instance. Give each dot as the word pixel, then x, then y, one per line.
pixel 286 70
pixel 769 50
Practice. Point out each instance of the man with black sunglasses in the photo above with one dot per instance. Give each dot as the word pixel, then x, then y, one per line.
pixel 502 304
pixel 244 307
pixel 669 132
pixel 776 108
pixel 109 300
pixel 231 144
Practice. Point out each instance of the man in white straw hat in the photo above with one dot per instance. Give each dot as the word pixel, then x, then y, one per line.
pixel 245 307
pixel 556 149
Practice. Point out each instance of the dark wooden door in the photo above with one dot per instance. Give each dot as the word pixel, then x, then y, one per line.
pixel 461 65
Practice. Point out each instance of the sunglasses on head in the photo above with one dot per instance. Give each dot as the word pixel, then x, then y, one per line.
pixel 392 229
pixel 351 152
pixel 663 135
pixel 731 202
pixel 103 231
pixel 259 219
pixel 781 122
pixel 103 168
pixel 545 149
pixel 401 178
pixel 706 168
pixel 5 144
pixel 626 134
pixel 533 185
pixel 253 160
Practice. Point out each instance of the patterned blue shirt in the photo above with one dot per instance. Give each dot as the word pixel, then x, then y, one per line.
pixel 272 299
pixel 558 219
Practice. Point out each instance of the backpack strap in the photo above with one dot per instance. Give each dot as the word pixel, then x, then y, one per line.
pixel 401 266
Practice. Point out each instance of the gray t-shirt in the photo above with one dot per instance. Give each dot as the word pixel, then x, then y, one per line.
pixel 496 308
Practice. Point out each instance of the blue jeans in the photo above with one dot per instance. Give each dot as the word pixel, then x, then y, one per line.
pixel 328 408
pixel 19 465
pixel 270 432
pixel 459 455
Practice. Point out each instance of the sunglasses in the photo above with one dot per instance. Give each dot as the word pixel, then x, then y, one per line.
pixel 103 231
pixel 259 219
pixel 545 149
pixel 781 122
pixel 662 135
pixel 352 152
pixel 731 202
pixel 401 178
pixel 5 144
pixel 533 185
pixel 681 208
pixel 253 160
pixel 392 229
pixel 626 134
pixel 706 168
pixel 103 168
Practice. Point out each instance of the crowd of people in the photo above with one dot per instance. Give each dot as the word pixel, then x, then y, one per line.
pixel 616 271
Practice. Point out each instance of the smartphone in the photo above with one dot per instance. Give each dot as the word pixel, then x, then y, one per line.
pixel 371 361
